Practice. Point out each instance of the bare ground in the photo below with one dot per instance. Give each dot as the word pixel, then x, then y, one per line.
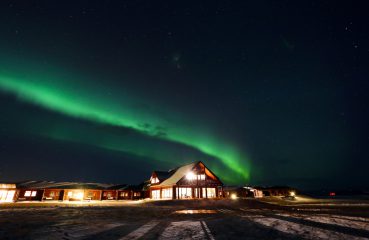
pixel 268 218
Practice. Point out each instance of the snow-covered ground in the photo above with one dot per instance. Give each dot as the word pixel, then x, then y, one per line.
pixel 204 219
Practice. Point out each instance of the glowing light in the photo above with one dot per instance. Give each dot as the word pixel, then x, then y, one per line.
pixel 233 196
pixel 292 193
pixel 154 180
pixel 190 176
pixel 7 195
pixel 79 195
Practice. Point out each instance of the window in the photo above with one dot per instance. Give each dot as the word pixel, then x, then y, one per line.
pixel 155 194
pixel 184 192
pixel 136 194
pixel 90 194
pixel 154 180
pixel 167 192
pixel 7 195
pixel 191 176
pixel 30 193
pixel 77 195
pixel 201 177
pixel 211 192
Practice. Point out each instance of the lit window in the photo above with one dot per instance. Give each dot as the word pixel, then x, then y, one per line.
pixel 27 194
pixel 211 192
pixel 155 194
pixel 190 176
pixel 184 192
pixel 167 193
pixel 154 180
pixel 33 193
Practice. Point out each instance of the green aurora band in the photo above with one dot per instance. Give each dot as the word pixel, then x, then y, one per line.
pixel 75 99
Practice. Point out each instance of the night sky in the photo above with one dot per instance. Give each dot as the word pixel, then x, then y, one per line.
pixel 263 92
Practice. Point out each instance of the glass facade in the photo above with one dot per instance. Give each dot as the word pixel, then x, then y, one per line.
pixel 184 192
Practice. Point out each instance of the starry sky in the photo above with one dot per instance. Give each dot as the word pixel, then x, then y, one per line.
pixel 263 92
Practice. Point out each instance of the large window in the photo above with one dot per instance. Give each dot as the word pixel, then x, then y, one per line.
pixel 78 195
pixel 167 192
pixel 184 192
pixel 155 194
pixel 7 195
pixel 211 192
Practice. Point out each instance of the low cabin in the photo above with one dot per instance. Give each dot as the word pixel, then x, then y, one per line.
pixel 242 192
pixel 190 181
pixel 59 191
pixel 82 195
pixel 8 192
pixel 232 192
pixel 83 192
pixel 130 192
pixel 276 190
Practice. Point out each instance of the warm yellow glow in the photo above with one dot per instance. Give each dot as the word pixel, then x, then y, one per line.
pixel 190 176
pixel 197 211
pixel 233 196
pixel 7 195
pixel 79 195
pixel 292 194
pixel 154 180
pixel 76 195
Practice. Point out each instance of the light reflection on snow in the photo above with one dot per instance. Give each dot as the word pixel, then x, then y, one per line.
pixel 195 211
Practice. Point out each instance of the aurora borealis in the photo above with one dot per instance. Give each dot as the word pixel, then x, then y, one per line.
pixel 264 93
pixel 59 95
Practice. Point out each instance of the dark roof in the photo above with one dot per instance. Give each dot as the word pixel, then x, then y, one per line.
pixel 162 175
pixel 118 187
pixel 62 185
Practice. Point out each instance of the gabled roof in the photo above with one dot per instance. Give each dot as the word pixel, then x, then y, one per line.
pixel 178 174
pixel 162 175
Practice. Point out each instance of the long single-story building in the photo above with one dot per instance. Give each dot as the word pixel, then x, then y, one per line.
pixel 193 180
pixel 68 191
pixel 190 181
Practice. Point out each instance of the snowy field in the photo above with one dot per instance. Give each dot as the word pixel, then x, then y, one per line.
pixel 187 219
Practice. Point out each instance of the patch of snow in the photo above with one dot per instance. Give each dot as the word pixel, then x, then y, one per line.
pixel 335 220
pixel 138 233
pixel 183 230
pixel 304 231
